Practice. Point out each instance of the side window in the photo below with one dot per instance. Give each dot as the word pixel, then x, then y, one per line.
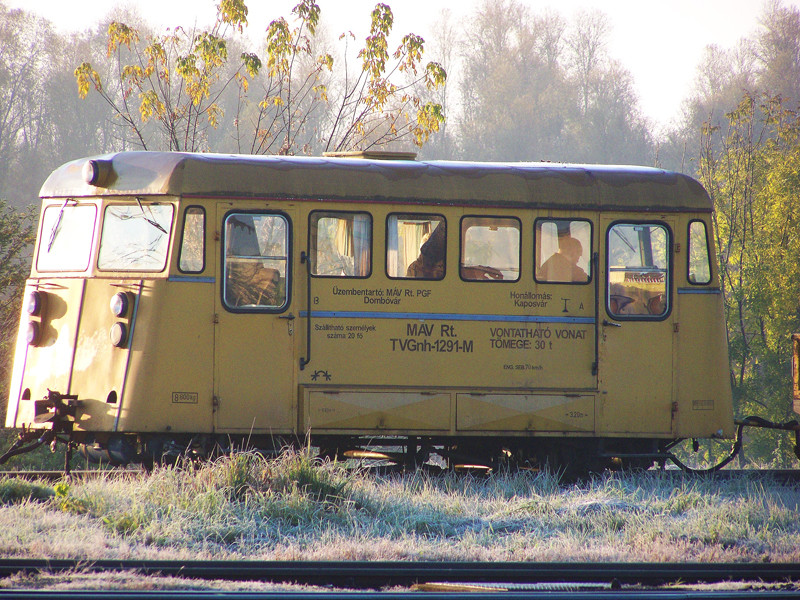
pixel 563 249
pixel 192 258
pixel 638 270
pixel 489 249
pixel 415 246
pixel 699 262
pixel 256 261
pixel 340 244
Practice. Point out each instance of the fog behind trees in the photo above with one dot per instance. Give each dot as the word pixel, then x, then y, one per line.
pixel 523 86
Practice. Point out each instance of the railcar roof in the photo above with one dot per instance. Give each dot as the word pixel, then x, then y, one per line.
pixel 548 185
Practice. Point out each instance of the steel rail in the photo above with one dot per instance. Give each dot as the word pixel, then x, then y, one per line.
pixel 780 476
pixel 376 575
pixel 413 595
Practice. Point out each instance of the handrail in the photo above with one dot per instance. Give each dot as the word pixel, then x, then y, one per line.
pixel 596 364
pixel 306 259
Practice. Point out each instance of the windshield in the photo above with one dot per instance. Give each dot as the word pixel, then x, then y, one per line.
pixel 65 242
pixel 135 237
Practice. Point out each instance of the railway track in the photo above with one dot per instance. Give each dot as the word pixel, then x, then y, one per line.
pixel 788 476
pixel 380 575
pixel 410 595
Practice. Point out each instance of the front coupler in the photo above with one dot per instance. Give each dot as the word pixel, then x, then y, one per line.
pixel 57 409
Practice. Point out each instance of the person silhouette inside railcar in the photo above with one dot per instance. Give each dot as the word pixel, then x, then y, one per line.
pixel 562 266
pixel 430 262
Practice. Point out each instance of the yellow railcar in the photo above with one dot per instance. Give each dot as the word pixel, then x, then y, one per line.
pixel 542 312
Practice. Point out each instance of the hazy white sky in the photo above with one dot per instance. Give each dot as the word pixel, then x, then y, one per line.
pixel 660 41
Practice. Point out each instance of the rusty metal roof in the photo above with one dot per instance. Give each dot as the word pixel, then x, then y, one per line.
pixel 531 185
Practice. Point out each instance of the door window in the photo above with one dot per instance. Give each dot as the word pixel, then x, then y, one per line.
pixel 256 261
pixel 638 271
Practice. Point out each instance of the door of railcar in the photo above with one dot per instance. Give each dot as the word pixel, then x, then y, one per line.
pixel 636 345
pixel 254 338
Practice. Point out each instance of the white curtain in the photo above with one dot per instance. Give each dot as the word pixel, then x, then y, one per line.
pixel 361 244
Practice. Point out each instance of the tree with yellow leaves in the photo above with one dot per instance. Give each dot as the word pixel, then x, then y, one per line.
pixel 752 172
pixel 168 90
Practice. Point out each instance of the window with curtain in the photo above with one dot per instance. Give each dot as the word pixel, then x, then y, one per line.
pixel 415 246
pixel 563 250
pixel 340 244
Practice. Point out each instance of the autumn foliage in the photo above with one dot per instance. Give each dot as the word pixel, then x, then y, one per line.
pixel 295 98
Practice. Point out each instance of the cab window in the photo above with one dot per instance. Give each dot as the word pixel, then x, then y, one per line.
pixel 340 244
pixel 638 270
pixel 415 246
pixel 489 249
pixel 699 262
pixel 563 249
pixel 135 237
pixel 66 240
pixel 256 261
pixel 192 258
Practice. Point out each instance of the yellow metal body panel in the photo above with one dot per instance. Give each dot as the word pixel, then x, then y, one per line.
pixel 255 358
pixel 377 410
pixel 170 380
pixel 429 348
pixel 160 380
pixel 450 333
pixel 381 354
pixel 48 365
pixel 525 412
pixel 636 361
pixel 636 391
pixel 100 369
pixel 702 381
